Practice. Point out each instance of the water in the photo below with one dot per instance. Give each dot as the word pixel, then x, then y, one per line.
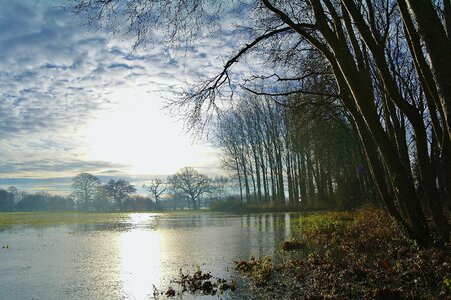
pixel 127 260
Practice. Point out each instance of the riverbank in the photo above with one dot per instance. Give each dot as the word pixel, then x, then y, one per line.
pixel 361 255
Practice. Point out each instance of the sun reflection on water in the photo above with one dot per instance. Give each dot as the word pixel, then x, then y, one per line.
pixel 140 251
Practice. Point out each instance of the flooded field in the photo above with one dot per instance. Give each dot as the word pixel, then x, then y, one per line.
pixel 135 257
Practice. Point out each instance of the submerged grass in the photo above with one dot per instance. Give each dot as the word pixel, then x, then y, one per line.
pixel 77 217
pixel 60 218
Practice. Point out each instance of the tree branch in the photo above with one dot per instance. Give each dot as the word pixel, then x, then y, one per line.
pixel 290 93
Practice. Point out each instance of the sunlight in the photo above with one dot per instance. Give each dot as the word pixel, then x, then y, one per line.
pixel 141 253
pixel 135 132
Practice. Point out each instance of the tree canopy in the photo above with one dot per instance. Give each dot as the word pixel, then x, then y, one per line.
pixel 119 190
pixel 85 187
pixel 191 183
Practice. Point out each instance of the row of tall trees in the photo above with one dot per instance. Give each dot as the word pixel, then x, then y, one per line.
pixel 396 96
pixel 300 154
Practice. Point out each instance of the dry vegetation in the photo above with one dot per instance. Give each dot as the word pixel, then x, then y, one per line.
pixel 360 255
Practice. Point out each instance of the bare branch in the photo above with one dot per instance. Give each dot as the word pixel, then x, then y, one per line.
pixel 290 93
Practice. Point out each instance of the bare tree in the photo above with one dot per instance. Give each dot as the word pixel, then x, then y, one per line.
pixel 85 186
pixel 155 187
pixel 191 183
pixel 119 190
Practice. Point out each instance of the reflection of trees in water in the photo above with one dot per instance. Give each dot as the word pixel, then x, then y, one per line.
pixel 266 232
pixel 199 220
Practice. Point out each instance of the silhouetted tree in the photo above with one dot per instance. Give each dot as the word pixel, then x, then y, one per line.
pixel 85 187
pixel 155 187
pixel 6 200
pixel 191 183
pixel 101 199
pixel 119 190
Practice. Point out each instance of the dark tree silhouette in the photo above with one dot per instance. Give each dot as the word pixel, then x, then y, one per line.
pixel 6 200
pixel 119 190
pixel 191 183
pixel 85 186
pixel 155 187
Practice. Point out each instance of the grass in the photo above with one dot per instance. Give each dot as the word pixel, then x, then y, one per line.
pixel 353 255
pixel 59 218
pixel 76 217
pixel 322 222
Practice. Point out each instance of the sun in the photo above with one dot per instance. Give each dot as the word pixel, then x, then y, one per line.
pixel 135 132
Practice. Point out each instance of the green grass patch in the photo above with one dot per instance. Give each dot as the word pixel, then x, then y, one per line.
pixel 60 218
pixel 76 217
pixel 323 222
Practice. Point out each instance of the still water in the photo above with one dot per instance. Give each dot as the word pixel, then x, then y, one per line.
pixel 128 260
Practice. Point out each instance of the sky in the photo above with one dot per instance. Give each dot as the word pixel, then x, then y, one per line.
pixel 74 99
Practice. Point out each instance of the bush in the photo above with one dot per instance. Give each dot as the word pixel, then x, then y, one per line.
pixel 230 204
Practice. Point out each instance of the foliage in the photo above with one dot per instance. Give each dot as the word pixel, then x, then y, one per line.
pixel 140 203
pixel 357 255
pixel 322 223
pixel 6 200
pixel 259 269
pixel 292 245
pixel 230 204
pixel 197 283
pixel 13 200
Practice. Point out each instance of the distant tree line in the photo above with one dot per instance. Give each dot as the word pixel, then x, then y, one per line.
pixel 186 189
pixel 13 200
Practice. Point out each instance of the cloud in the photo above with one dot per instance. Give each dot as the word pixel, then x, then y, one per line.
pixel 55 74
pixel 55 167
pixel 56 77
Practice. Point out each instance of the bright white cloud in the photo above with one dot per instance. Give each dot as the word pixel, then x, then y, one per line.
pixel 73 100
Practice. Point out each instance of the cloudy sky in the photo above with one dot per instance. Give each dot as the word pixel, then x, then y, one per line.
pixel 74 100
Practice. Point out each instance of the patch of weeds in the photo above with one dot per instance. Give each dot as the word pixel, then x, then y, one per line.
pixel 447 283
pixel 359 255
pixel 199 282
pixel 259 270
pixel 292 245
pixel 319 226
